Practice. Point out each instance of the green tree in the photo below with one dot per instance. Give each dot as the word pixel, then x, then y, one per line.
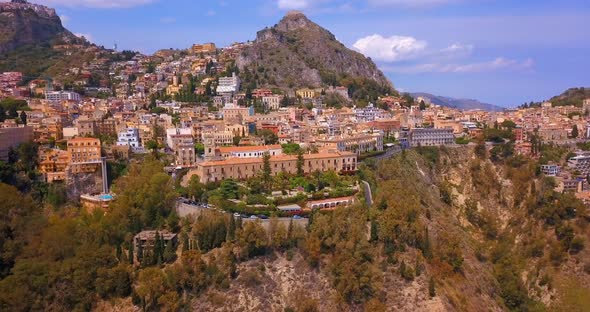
pixel 252 240
pixel 300 163
pixel 268 136
pixel 236 140
pixel 169 252
pixel 150 284
pixel 266 172
pixel 231 229
pixel 229 189
pixel 153 146
pixel 130 255
pixel 23 118
pixel 575 131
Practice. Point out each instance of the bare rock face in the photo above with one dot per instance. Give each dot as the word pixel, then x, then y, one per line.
pixel 22 23
pixel 297 53
pixel 83 183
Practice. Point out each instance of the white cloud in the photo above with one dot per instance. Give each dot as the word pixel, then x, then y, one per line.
pixel 293 4
pixel 390 49
pixel 64 19
pixel 86 36
pixel 455 50
pixel 103 4
pixel 458 48
pixel 211 13
pixel 497 64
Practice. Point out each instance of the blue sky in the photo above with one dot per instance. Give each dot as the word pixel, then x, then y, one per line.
pixel 502 52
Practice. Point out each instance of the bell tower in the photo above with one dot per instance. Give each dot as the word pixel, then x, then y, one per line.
pixel 209 143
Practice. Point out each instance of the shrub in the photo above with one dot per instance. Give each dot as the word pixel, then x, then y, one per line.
pixel 251 278
pixel 577 245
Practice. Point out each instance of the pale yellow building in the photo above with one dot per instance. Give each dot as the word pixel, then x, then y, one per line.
pixel 246 168
pixel 206 48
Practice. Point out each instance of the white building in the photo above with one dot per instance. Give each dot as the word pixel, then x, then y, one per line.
pixel 171 133
pixel 369 113
pixel 431 137
pixel 550 170
pixel 130 137
pixel 58 96
pixel 228 85
pixel 272 102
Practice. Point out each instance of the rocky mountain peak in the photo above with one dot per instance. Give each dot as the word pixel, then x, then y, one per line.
pixel 315 57
pixel 293 20
pixel 23 23
pixel 23 5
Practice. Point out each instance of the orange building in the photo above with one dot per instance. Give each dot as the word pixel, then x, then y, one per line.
pixel 53 164
pixel 85 154
pixel 206 48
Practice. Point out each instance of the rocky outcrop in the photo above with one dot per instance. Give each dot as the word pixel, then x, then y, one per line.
pixel 299 53
pixel 22 24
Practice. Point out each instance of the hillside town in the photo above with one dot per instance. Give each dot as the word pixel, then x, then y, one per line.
pixel 288 172
pixel 211 120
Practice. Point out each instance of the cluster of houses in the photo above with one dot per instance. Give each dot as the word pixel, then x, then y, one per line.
pixel 223 135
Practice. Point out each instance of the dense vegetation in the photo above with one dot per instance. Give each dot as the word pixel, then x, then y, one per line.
pixel 573 96
pixel 55 256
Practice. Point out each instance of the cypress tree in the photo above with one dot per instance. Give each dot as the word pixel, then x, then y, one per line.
pixel 374 231
pixel 290 234
pixel 231 229
pixel 169 252
pixel 431 288
pixel 131 253
pixel 140 253
pixel 239 223
pixel 185 242
pixel 119 252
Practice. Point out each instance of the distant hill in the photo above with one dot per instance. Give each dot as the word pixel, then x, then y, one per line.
pixel 572 96
pixel 464 104
pixel 297 53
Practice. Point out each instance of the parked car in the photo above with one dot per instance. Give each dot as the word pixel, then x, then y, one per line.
pixel 296 217
pixel 264 217
pixel 253 217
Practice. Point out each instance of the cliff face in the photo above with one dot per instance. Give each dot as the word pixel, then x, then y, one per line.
pixel 22 24
pixel 299 53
